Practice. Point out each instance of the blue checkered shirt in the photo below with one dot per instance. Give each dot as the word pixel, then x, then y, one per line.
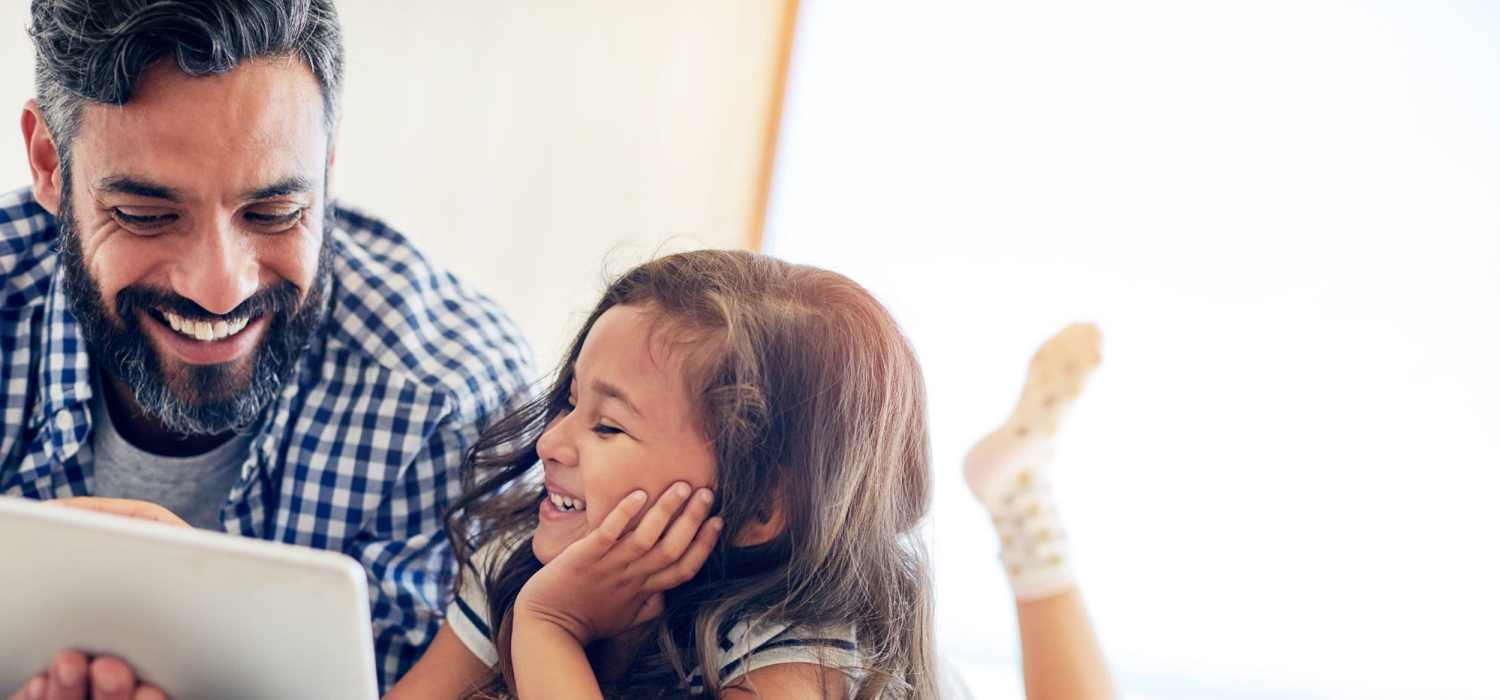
pixel 361 452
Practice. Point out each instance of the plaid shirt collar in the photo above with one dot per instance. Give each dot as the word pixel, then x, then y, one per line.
pixel 65 391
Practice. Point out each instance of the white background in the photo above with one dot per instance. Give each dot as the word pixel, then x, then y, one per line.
pixel 1283 214
pixel 1282 481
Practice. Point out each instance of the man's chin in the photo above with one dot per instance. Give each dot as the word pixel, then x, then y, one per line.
pixel 207 386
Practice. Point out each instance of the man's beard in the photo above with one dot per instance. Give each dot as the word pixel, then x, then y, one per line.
pixel 193 399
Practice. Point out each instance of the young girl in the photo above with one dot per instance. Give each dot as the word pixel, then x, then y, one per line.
pixel 782 401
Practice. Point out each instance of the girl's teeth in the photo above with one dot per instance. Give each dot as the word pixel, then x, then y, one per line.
pixel 565 503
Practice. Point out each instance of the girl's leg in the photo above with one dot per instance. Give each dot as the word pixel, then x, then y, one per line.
pixel 1007 471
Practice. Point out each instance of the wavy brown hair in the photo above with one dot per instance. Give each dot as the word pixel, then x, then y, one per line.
pixel 812 400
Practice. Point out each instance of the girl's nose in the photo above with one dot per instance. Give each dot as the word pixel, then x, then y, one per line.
pixel 556 445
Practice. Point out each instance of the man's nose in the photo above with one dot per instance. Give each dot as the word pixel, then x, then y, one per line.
pixel 219 270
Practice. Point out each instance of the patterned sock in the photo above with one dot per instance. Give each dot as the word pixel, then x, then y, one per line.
pixel 1008 469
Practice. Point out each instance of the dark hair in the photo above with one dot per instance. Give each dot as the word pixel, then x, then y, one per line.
pixel 96 50
pixel 808 393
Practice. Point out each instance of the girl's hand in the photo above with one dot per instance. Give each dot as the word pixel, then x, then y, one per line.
pixel 140 510
pixel 611 579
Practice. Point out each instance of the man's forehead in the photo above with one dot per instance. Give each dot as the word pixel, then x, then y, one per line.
pixel 257 124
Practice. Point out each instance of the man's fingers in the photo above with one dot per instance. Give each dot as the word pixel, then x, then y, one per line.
pixel 140 510
pixel 679 536
pixel 67 676
pixel 110 679
pixel 655 521
pixel 691 561
pixel 34 689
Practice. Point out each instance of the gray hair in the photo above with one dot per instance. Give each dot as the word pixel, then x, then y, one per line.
pixel 96 50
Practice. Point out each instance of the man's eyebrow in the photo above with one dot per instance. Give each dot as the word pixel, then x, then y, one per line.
pixel 296 184
pixel 611 391
pixel 124 184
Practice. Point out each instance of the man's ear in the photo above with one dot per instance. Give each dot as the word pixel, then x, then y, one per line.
pixel 46 163
pixel 770 520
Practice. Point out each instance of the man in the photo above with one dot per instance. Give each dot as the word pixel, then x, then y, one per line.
pixel 187 318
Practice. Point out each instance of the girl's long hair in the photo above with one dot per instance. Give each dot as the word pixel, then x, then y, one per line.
pixel 814 403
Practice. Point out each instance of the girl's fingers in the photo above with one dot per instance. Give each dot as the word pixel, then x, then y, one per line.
pixel 609 532
pixel 679 536
pixel 655 521
pixel 148 692
pixel 654 606
pixel 686 567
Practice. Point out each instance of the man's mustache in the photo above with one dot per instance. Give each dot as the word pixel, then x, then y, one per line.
pixel 281 298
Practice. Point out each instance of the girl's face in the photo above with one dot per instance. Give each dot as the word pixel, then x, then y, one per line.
pixel 632 426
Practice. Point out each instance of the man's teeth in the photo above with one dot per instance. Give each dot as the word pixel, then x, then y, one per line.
pixel 205 330
pixel 565 503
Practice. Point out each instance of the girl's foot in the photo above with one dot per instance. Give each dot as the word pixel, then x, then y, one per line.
pixel 1007 470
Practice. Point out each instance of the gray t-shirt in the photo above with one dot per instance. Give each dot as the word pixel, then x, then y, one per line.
pixel 192 487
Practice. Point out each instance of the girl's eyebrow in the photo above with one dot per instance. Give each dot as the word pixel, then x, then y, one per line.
pixel 610 391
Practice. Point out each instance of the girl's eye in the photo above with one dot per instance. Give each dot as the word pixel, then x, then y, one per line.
pixel 607 430
pixel 142 224
pixel 274 221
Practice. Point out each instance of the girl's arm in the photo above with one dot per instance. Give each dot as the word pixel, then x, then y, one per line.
pixel 608 581
pixel 1007 472
pixel 447 670
pixel 550 663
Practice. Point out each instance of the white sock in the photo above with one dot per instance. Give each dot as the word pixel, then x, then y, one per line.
pixel 1033 544
pixel 1008 469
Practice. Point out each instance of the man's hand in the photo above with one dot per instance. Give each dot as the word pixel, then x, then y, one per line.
pixel 73 676
pixel 140 510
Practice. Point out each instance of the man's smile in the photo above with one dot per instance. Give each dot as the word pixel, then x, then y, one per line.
pixel 204 341
pixel 205 330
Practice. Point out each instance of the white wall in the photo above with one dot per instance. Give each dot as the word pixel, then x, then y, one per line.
pixel 1286 217
pixel 526 143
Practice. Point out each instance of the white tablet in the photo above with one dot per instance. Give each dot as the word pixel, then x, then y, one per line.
pixel 201 614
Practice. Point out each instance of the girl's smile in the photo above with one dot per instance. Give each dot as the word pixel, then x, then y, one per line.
pixel 561 504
